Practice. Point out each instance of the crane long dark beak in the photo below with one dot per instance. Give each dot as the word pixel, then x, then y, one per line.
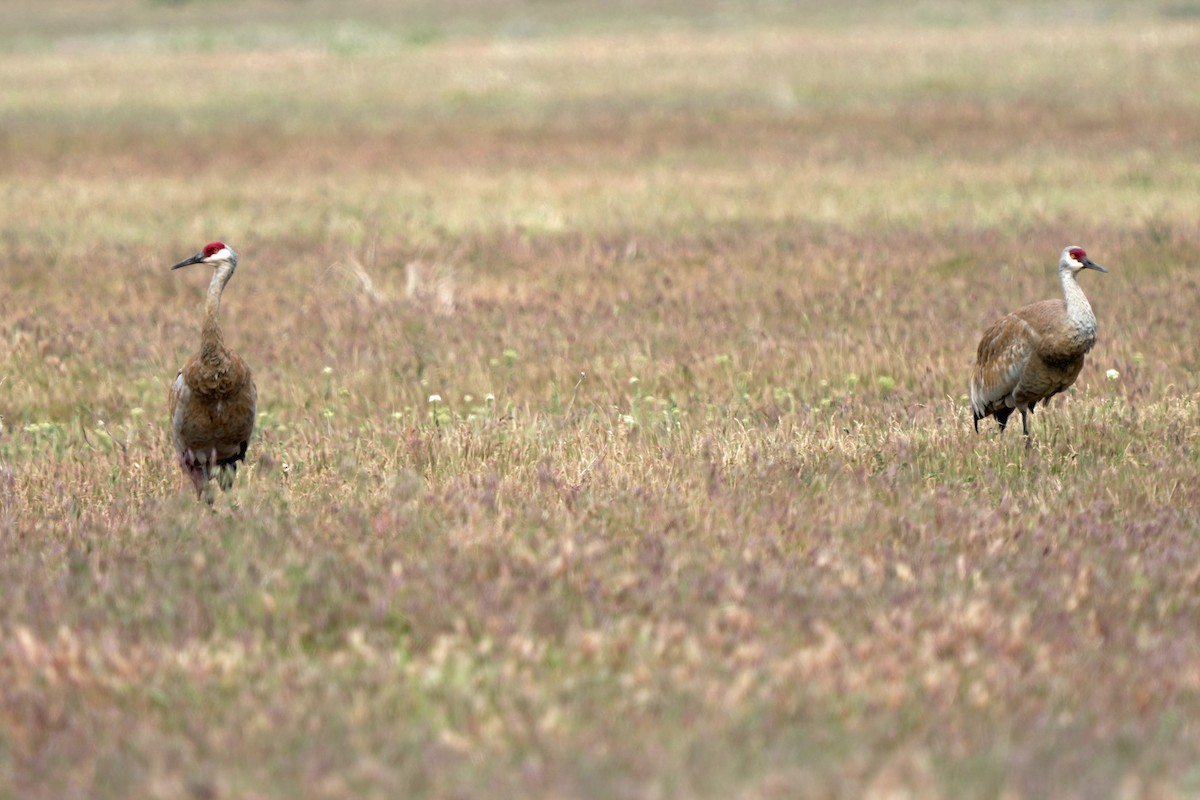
pixel 1089 264
pixel 196 259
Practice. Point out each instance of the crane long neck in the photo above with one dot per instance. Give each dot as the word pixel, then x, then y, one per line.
pixel 212 345
pixel 1079 310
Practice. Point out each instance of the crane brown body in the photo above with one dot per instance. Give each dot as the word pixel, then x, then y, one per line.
pixel 1036 352
pixel 213 401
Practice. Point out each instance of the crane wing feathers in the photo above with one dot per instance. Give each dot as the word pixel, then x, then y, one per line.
pixel 1004 352
pixel 213 410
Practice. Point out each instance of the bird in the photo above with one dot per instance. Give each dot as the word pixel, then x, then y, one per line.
pixel 1035 352
pixel 213 401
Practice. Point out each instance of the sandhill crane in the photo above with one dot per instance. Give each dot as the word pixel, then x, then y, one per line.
pixel 1037 351
pixel 213 400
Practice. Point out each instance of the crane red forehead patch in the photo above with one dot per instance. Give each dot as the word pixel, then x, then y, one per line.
pixel 216 247
pixel 1077 254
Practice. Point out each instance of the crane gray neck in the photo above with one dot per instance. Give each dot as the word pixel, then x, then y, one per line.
pixel 212 303
pixel 1079 310
pixel 221 276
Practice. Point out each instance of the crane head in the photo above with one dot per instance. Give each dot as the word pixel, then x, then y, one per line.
pixel 1075 259
pixel 216 253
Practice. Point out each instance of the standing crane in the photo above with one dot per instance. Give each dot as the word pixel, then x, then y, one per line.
pixel 213 401
pixel 1037 351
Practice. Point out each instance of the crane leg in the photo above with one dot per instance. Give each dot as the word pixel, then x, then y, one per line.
pixel 225 475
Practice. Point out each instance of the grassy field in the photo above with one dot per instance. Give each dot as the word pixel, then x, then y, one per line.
pixel 612 374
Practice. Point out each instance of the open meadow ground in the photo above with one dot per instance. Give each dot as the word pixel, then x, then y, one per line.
pixel 613 435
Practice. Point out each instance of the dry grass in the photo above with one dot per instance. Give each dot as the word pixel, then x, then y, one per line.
pixel 613 439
